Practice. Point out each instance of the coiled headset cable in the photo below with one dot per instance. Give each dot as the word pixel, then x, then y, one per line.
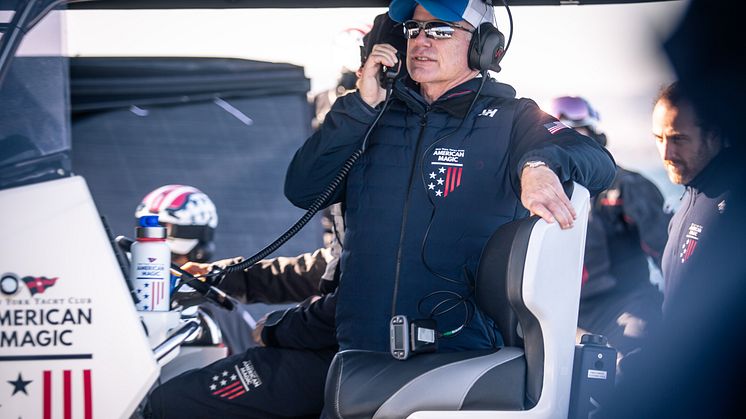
pixel 389 76
pixel 207 284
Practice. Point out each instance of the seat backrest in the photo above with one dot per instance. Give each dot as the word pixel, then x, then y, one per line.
pixel 528 282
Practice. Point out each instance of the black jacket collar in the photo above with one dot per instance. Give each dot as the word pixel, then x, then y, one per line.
pixel 721 174
pixel 456 101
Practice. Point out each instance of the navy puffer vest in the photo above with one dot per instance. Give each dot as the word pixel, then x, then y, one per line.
pixel 439 188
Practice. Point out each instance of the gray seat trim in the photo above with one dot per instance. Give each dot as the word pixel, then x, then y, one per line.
pixel 427 392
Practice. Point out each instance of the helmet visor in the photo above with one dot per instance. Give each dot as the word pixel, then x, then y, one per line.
pixel 573 111
pixel 181 246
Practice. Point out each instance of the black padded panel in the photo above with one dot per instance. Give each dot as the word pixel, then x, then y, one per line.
pixel 499 389
pixel 533 338
pixel 501 265
pixel 360 381
pixel 99 83
pixel 126 152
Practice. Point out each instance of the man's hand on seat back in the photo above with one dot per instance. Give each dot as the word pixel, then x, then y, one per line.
pixel 542 194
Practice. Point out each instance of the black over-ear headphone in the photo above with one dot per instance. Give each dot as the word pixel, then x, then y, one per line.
pixel 486 48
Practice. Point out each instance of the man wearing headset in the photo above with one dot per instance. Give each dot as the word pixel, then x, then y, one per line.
pixel 453 156
pixel 627 225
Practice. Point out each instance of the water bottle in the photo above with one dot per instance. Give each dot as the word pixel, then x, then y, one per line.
pixel 150 272
pixel 594 372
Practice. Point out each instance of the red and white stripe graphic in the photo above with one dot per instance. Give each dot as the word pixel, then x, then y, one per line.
pixel 553 127
pixel 453 179
pixel 67 394
pixel 687 249
pixel 172 196
pixel 228 385
pixel 231 391
pixel 157 294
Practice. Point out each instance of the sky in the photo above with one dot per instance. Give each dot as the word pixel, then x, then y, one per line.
pixel 609 54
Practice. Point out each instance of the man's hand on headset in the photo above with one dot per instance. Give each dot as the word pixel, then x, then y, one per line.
pixel 368 85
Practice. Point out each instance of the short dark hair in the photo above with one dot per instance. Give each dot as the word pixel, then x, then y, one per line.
pixel 674 95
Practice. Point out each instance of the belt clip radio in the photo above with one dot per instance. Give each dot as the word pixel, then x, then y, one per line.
pixel 409 338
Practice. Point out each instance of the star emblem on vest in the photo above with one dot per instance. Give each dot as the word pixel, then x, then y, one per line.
pixel 447 171
pixel 692 237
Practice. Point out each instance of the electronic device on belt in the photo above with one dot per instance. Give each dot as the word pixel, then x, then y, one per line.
pixel 409 338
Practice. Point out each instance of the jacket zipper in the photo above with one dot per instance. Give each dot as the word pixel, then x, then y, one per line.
pixel 423 123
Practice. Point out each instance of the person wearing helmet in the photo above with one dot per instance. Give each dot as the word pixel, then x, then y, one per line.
pixel 627 225
pixel 191 218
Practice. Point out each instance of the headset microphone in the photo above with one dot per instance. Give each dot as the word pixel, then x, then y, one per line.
pixel 389 74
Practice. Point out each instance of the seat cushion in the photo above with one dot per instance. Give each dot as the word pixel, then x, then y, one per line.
pixel 364 384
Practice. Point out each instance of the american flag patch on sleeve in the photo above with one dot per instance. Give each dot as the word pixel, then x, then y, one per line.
pixel 553 127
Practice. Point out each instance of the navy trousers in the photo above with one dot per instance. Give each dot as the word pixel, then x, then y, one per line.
pixel 259 383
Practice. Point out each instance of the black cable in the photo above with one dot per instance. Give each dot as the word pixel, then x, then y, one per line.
pixel 510 20
pixel 468 314
pixel 422 250
pixel 435 311
pixel 424 182
pixel 461 299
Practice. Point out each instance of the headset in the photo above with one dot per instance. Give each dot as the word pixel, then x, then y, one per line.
pixel 487 47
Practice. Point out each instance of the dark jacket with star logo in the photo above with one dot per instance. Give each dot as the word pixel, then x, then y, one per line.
pixel 433 184
pixel 694 233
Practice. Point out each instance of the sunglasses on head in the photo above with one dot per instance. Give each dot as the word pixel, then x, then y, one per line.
pixel 434 29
